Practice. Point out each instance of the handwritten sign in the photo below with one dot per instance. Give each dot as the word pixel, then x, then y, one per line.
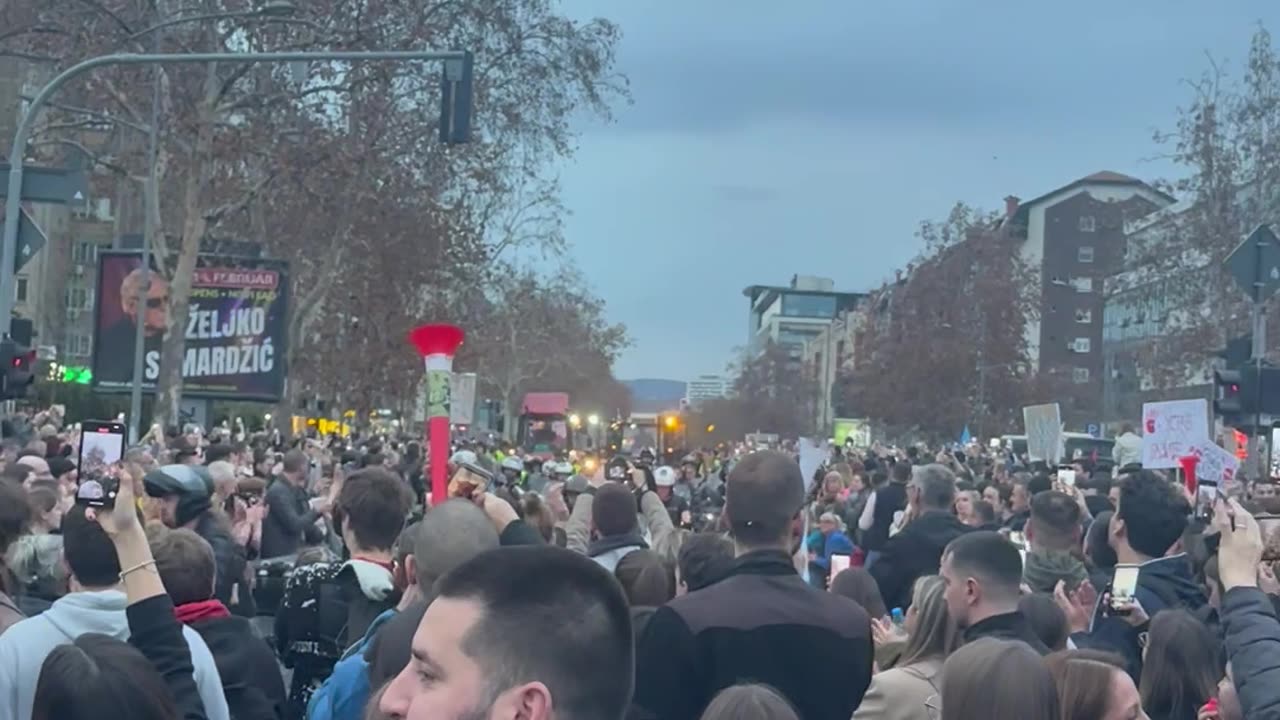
pixel 1216 465
pixel 1043 424
pixel 1173 429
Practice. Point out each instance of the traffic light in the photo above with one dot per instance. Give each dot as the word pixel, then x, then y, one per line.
pixel 18 362
pixel 1228 400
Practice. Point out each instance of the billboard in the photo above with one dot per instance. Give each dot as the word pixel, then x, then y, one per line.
pixel 235 329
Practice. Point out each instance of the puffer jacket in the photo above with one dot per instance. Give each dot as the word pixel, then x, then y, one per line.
pixel 1252 636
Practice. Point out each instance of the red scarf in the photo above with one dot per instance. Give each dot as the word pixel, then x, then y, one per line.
pixel 203 610
pixel 385 565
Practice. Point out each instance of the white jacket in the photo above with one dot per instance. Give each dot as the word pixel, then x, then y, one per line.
pixel 1128 449
pixel 24 646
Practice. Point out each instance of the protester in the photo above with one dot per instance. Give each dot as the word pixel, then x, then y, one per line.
pixel 749 702
pixel 185 494
pixel 1181 668
pixel 901 692
pixel 704 559
pixel 647 582
pixel 826 541
pixel 1047 620
pixel 1019 504
pixel 917 550
pixel 1093 685
pixel 1053 531
pixel 994 679
pixel 15 512
pixel 94 605
pixel 251 680
pixel 328 606
pixel 983 573
pixel 291 515
pixel 857 584
pixel 814 647
pixel 537 632
pixel 883 503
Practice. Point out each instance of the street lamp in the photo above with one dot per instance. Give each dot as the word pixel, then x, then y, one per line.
pixel 593 419
pixel 575 420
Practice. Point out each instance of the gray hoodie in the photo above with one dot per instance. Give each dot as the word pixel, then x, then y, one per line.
pixel 24 646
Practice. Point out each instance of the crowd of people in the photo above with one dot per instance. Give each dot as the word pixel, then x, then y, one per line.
pixel 259 578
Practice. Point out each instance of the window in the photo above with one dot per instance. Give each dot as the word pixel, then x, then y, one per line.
pixel 819 306
pixel 78 298
pixel 102 209
pixel 1088 223
pixel 1082 284
pixel 1080 375
pixel 1080 345
pixel 85 253
pixel 1084 316
pixel 78 344
pixel 20 289
pixel 1084 253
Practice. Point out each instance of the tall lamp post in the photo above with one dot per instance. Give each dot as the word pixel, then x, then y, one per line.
pixel 455 124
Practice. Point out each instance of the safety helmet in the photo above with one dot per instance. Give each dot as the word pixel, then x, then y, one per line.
pixel 562 468
pixel 549 468
pixel 664 476
pixel 576 484
pixel 512 463
pixel 647 454
pixel 191 483
pixel 466 457
pixel 689 460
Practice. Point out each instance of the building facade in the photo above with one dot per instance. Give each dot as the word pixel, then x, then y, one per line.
pixel 827 356
pixel 792 315
pixel 1074 237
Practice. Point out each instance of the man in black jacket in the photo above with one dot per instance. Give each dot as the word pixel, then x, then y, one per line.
pixel 291 515
pixel 982 572
pixel 877 515
pixel 250 676
pixel 917 549
pixel 762 622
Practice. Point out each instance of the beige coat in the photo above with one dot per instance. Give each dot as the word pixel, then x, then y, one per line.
pixel 899 693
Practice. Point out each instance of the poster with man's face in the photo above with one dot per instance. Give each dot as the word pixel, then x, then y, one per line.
pixel 235 328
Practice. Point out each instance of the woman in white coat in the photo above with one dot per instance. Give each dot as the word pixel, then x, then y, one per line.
pixel 900 692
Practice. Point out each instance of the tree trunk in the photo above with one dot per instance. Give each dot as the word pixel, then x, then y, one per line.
pixel 173 349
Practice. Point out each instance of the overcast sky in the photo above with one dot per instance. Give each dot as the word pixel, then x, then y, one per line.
pixel 772 138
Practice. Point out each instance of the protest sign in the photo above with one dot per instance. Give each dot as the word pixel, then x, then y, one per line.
pixel 1171 430
pixel 1216 465
pixel 235 327
pixel 1044 432
pixel 813 453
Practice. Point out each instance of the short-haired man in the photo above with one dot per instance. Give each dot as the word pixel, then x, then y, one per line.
pixel 96 604
pixel 534 632
pixel 1020 502
pixel 603 524
pixel 916 550
pixel 615 526
pixel 1150 517
pixel 250 676
pixel 1053 532
pixel 291 515
pixel 704 559
pixel 814 647
pixel 328 606
pixel 982 572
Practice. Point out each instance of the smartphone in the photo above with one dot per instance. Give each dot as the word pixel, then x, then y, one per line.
pixel 1067 476
pixel 1269 528
pixel 469 480
pixel 101 446
pixel 1207 493
pixel 1124 586
pixel 839 562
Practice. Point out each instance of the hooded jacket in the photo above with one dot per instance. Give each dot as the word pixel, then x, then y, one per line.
pixel 1252 638
pixel 24 646
pixel 609 551
pixel 1163 583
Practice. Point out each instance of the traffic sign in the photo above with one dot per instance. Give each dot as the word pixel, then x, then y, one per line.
pixel 1255 263
pixel 31 239
pixel 49 185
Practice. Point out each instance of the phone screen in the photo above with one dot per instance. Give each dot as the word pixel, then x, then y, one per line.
pixel 1269 528
pixel 1206 495
pixel 101 446
pixel 468 480
pixel 1067 476
pixel 839 562
pixel 1124 584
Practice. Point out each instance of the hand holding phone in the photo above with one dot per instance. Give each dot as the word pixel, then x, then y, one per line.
pixel 469 480
pixel 1124 588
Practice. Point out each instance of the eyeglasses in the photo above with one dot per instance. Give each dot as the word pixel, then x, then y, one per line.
pixel 157 303
pixel 933 704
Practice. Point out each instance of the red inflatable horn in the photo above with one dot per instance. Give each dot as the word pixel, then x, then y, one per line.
pixel 437 345
pixel 1188 464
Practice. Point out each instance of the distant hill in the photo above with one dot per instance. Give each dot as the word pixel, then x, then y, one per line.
pixel 649 395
